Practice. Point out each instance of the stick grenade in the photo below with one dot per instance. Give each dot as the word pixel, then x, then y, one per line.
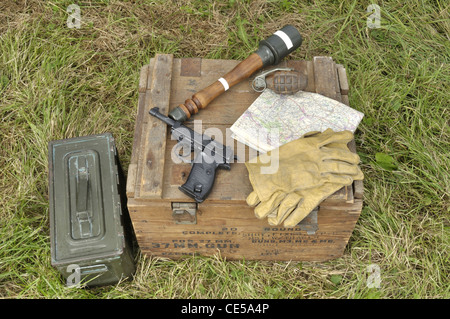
pixel 270 52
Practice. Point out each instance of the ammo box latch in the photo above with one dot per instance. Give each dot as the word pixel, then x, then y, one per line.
pixel 184 213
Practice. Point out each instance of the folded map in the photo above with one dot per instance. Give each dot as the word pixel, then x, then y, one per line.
pixel 275 119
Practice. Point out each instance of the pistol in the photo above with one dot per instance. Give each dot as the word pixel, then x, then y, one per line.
pixel 209 155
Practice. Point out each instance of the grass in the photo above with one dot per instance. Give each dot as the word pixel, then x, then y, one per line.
pixel 57 82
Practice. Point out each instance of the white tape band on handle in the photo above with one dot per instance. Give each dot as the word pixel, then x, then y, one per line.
pixel 285 38
pixel 224 83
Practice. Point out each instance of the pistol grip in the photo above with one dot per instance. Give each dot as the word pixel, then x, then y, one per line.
pixel 201 178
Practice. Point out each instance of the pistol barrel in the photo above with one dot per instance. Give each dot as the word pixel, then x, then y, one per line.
pixel 155 112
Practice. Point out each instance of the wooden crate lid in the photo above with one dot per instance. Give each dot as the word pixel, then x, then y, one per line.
pixel 167 82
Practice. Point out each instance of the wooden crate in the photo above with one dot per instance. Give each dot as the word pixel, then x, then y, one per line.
pixel 170 224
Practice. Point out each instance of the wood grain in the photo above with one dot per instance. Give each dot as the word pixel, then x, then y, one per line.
pixel 225 224
pixel 325 76
pixel 203 98
pixel 235 233
pixel 154 135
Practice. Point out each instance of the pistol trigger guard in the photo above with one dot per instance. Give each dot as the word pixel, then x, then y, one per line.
pixel 185 158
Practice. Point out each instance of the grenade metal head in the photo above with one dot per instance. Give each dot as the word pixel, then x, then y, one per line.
pixel 276 47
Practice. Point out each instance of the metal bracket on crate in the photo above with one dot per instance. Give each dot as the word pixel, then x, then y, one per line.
pixel 309 223
pixel 184 213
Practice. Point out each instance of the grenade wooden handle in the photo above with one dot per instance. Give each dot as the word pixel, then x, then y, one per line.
pixel 241 72
pixel 271 51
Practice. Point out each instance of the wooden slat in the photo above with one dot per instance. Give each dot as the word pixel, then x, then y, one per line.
pixel 235 233
pixel 141 127
pixel 337 86
pixel 133 166
pixel 311 79
pixel 324 76
pixel 143 78
pixel 152 160
pixel 191 67
pixel 358 186
pixel 343 82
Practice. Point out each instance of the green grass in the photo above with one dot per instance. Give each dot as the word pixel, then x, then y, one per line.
pixel 57 82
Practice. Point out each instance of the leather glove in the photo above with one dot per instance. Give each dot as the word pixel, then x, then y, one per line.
pixel 293 207
pixel 297 205
pixel 338 172
pixel 304 163
pixel 281 204
pixel 270 207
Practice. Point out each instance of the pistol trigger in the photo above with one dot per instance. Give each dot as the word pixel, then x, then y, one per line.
pixel 179 151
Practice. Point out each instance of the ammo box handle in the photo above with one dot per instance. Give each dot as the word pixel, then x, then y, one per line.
pixel 81 211
pixel 93 269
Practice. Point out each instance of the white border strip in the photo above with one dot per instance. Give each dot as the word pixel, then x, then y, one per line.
pixel 224 83
pixel 285 38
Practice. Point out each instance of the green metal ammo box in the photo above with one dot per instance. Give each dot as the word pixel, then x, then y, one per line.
pixel 92 240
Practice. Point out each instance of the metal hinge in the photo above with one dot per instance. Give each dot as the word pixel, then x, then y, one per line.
pixel 309 223
pixel 184 213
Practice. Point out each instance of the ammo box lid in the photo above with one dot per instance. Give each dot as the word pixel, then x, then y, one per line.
pixel 85 207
